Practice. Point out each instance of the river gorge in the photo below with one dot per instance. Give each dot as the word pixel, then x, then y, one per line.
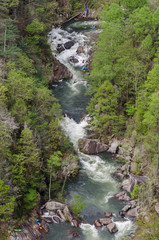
pixel 95 182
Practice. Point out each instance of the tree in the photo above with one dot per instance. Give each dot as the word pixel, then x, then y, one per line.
pixel 26 163
pixel 133 4
pixel 77 205
pixel 8 45
pixel 7 202
pixel 52 164
pixel 103 108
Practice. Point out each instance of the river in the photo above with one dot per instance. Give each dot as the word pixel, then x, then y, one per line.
pixel 95 182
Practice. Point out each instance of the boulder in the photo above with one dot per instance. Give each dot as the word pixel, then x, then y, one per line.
pixel 60 48
pixel 114 146
pixel 126 208
pixel 61 215
pixel 157 207
pixel 132 213
pixel 73 59
pixel 59 71
pixel 54 206
pixel 108 214
pixel 56 219
pixel 91 146
pixel 112 228
pixel 122 196
pixel 97 224
pixel 118 175
pixel 67 214
pixel 75 223
pixel 80 50
pixel 129 183
pixel 104 221
pixel 68 44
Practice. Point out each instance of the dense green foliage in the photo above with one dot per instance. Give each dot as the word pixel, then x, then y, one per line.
pixel 124 83
pixel 124 75
pixel 77 205
pixel 33 148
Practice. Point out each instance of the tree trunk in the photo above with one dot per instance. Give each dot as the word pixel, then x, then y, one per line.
pixel 64 185
pixel 4 49
pixel 50 185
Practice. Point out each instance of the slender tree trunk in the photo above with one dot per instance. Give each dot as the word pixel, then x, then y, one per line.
pixel 50 185
pixel 157 143
pixel 64 185
pixel 4 50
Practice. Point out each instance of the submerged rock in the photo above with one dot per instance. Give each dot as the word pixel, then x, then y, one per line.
pixel 91 146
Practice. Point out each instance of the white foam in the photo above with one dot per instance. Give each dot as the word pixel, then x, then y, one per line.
pixel 73 129
pixel 108 196
pixel 124 229
pixel 89 231
pixel 97 169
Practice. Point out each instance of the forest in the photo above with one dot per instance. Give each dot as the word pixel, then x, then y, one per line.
pixel 35 155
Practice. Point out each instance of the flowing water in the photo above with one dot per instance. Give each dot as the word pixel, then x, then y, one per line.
pixel 95 182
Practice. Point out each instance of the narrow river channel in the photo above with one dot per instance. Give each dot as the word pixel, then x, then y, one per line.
pixel 95 182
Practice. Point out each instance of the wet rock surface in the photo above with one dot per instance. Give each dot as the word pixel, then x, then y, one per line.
pixel 91 146
pixel 59 72
pixel 68 44
pixel 112 228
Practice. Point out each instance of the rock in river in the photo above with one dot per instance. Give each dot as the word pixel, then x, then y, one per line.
pixel 68 44
pixel 59 72
pixel 91 146
pixel 112 228
pixel 80 50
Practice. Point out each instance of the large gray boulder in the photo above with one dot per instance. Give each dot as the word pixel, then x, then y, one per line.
pixel 91 146
pixel 112 228
pixel 59 72
pixel 105 221
pixel 54 206
pixel 132 213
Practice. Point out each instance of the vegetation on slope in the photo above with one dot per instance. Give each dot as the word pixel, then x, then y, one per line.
pixel 30 132
pixel 124 81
